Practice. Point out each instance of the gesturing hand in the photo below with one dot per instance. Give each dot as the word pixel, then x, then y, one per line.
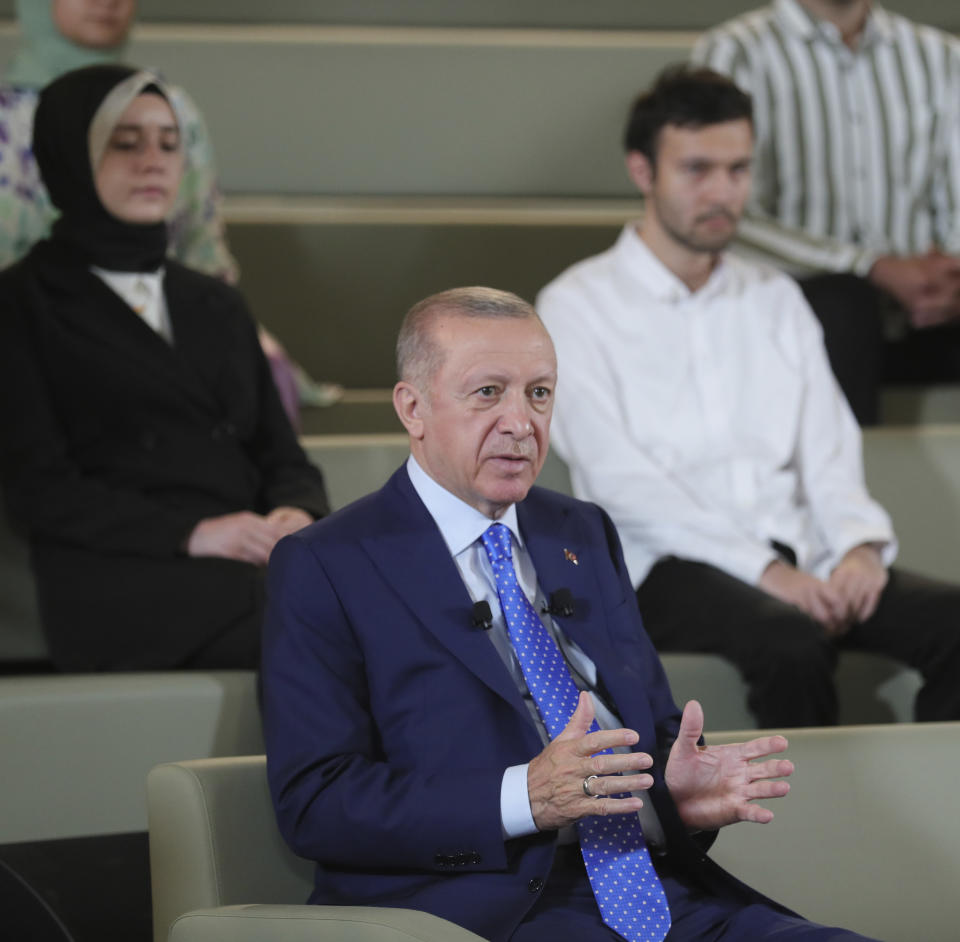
pixel 555 777
pixel 716 785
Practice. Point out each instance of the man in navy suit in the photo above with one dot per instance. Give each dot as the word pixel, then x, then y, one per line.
pixel 406 754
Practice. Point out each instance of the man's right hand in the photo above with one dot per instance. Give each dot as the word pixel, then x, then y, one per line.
pixel 555 777
pixel 927 286
pixel 808 593
pixel 244 536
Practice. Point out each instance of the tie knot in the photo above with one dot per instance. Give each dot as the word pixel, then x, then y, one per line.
pixel 496 541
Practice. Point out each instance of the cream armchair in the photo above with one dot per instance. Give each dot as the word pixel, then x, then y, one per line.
pixel 221 871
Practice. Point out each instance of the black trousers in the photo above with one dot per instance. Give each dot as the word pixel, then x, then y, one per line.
pixel 850 310
pixel 785 656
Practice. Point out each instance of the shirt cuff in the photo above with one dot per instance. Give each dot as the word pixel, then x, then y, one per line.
pixel 749 566
pixel 887 546
pixel 863 262
pixel 516 818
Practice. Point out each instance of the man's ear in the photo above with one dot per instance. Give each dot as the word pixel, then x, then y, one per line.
pixel 409 404
pixel 640 170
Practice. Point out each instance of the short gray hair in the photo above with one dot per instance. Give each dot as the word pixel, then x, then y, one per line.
pixel 418 355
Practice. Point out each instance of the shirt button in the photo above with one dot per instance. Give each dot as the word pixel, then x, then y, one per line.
pixel 535 885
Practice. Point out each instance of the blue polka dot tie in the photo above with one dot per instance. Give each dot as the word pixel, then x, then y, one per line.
pixel 626 887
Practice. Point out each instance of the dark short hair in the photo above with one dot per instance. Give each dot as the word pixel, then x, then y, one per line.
pixel 418 356
pixel 687 97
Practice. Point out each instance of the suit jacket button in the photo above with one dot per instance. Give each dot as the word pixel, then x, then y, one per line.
pixel 535 885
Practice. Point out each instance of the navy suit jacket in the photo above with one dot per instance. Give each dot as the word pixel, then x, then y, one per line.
pixel 389 718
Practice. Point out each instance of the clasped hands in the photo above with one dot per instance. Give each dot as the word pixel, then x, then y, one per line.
pixel 927 286
pixel 710 785
pixel 850 596
pixel 246 536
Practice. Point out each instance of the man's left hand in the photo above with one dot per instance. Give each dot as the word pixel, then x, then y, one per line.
pixel 860 578
pixel 716 785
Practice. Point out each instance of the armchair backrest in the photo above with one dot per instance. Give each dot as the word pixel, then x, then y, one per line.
pixel 214 840
pixel 868 837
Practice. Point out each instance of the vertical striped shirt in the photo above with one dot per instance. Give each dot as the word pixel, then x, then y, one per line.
pixel 857 150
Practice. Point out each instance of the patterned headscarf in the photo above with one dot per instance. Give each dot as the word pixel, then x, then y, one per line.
pixel 45 52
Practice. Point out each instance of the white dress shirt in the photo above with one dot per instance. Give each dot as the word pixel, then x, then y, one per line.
pixel 461 526
pixel 857 150
pixel 143 292
pixel 707 423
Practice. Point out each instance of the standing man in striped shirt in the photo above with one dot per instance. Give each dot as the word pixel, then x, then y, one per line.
pixel 856 179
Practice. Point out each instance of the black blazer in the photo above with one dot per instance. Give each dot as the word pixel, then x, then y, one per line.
pixel 115 444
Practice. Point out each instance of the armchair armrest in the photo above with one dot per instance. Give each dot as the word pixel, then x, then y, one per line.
pixel 304 923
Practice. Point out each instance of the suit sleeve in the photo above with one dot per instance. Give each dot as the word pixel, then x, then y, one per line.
pixel 338 799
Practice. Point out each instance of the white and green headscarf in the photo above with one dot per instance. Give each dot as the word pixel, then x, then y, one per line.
pixel 45 52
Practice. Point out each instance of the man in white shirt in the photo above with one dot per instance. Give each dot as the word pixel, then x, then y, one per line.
pixel 856 177
pixel 698 408
pixel 411 673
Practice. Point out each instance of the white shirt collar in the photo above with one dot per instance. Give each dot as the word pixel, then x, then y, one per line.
pixel 637 258
pixel 128 279
pixel 460 524
pixel 143 293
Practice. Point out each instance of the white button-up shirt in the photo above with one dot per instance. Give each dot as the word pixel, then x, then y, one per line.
pixel 706 423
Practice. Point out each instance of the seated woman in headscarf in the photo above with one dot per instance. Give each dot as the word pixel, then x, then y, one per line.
pixel 60 35
pixel 144 448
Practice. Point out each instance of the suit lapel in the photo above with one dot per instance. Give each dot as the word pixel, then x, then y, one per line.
pixel 412 557
pixel 93 308
pixel 201 335
pixel 555 539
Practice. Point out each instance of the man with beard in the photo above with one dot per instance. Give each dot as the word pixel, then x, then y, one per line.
pixel 856 179
pixel 698 408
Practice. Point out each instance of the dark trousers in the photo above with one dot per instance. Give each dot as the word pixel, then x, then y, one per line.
pixel 785 656
pixel 850 310
pixel 567 912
